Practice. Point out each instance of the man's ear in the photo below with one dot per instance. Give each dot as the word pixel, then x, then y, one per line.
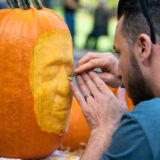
pixel 143 47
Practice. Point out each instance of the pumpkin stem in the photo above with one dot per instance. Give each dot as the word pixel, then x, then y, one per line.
pixel 23 4
pixel 13 4
pixel 37 4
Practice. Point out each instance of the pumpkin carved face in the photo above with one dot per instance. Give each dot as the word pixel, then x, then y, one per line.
pixel 35 61
pixel 51 64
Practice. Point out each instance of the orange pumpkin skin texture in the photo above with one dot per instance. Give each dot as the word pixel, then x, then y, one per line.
pixel 22 130
pixel 79 130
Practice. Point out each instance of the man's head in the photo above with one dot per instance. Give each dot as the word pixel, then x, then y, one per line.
pixel 135 22
pixel 135 48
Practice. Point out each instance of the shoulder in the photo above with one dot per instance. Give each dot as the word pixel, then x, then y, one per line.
pixel 127 141
pixel 146 113
pixel 148 105
pixel 147 116
pixel 138 133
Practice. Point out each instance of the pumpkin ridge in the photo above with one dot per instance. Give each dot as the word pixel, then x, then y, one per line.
pixel 3 12
pixel 57 21
pixel 2 32
pixel 7 16
pixel 51 11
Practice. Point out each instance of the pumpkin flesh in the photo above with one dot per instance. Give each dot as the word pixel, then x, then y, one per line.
pixel 50 69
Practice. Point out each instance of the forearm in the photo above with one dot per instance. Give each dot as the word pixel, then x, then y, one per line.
pixel 98 142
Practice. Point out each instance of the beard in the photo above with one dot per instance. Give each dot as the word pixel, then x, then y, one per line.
pixel 137 87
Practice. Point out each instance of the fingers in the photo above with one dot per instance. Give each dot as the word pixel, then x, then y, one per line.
pixel 109 79
pixel 103 106
pixel 100 84
pixel 86 107
pixel 88 57
pixel 94 63
pixel 83 88
pixel 78 95
pixel 91 61
pixel 85 67
pixel 91 85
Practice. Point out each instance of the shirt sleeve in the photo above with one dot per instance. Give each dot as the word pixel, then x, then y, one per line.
pixel 129 142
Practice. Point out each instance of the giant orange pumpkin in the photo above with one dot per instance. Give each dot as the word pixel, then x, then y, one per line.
pixel 79 131
pixel 35 98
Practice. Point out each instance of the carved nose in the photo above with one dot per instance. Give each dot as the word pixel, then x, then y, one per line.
pixel 62 82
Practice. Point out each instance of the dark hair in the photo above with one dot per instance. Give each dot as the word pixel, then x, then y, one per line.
pixel 135 22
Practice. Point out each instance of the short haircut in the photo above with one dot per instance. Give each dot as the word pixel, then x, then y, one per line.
pixel 134 21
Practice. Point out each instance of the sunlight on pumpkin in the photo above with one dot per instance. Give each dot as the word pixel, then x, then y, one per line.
pixel 51 64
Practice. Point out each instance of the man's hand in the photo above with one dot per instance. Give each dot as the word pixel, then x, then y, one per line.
pixel 102 111
pixel 103 108
pixel 106 61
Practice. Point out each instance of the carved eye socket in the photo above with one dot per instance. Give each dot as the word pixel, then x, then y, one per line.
pixel 50 72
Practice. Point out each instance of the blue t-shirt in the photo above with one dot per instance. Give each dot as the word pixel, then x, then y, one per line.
pixel 138 135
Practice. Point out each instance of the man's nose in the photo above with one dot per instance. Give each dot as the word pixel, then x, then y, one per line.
pixel 62 82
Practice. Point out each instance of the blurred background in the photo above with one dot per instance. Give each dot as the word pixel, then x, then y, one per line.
pixel 92 23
